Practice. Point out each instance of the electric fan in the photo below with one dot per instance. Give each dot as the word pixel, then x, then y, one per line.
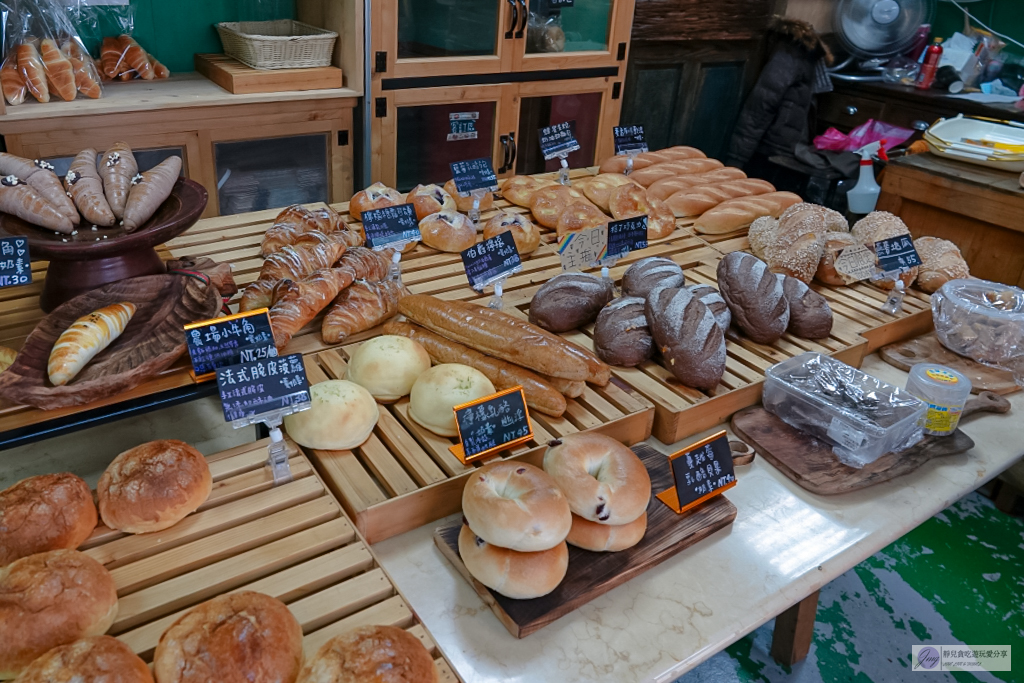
pixel 875 30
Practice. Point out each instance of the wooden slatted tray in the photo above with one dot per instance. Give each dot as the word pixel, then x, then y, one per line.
pixel 291 541
pixel 404 476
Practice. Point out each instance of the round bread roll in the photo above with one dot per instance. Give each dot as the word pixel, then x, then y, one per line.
pixel 603 480
pixel 516 575
pixel 629 200
pixel 661 222
pixel 882 225
pixel 600 188
pixel 606 538
pixel 244 636
pixel 577 217
pixel 832 246
pixel 941 261
pixel 524 232
pixel 465 204
pixel 153 486
pixel 342 417
pixel 519 189
pixel 371 654
pixel 438 390
pixel 98 659
pixel 647 273
pixel 516 506
pixel 50 599
pixel 46 512
pixel 429 199
pixel 387 366
pixel 376 196
pixel 621 334
pixel 548 203
pixel 448 231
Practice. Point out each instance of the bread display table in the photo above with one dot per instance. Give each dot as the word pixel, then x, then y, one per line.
pixel 783 547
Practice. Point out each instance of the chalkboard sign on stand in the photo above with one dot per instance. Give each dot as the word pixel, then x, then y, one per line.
pixel 629 139
pixel 896 254
pixel 392 226
pixel 473 174
pixel 230 340
pixel 629 234
pixel 15 263
pixel 492 260
pixel 558 140
pixel 492 424
pixel 251 390
pixel 700 472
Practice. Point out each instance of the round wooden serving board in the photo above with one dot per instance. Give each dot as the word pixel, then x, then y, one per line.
pixel 927 349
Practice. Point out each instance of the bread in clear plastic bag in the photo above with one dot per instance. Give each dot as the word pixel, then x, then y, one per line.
pixel 544 33
pixel 983 321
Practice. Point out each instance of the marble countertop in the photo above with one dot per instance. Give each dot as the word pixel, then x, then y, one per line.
pixel 785 544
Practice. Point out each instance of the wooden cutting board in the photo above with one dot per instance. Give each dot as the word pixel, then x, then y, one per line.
pixel 241 79
pixel 927 349
pixel 592 574
pixel 812 464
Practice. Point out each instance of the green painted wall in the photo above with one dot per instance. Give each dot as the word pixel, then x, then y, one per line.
pixel 1005 16
pixel 174 31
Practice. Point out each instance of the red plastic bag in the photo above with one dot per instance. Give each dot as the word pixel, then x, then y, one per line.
pixel 864 134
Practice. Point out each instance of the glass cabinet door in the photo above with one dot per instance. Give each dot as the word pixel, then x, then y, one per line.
pixel 253 175
pixel 574 34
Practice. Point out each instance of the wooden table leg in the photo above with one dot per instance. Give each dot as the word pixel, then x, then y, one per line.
pixel 794 630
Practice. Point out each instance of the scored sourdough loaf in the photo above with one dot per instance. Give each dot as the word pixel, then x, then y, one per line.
pixel 690 341
pixel 810 316
pixel 621 333
pixel 647 273
pixel 733 214
pixel 569 301
pixel 754 295
pixel 96 659
pixel 710 297
pixel 697 200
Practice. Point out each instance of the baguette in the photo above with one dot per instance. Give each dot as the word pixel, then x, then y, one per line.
pixel 86 337
pixel 504 336
pixel 648 176
pixel 566 387
pixel 736 213
pixel 540 395
pixel 697 200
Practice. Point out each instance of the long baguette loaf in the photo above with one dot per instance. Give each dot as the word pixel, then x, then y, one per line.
pixel 665 188
pixel 736 213
pixel 504 336
pixel 540 395
pixel 648 176
pixel 566 387
pixel 697 200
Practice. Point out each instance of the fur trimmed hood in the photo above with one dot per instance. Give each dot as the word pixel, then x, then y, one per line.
pixel 801 34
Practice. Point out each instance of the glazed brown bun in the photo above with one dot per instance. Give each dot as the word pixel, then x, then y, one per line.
pixel 153 486
pixel 606 538
pixel 548 203
pixel 376 196
pixel 516 506
pixel 603 480
pixel 47 512
pixel 465 204
pixel 519 189
pixel 428 199
pixel 577 217
pixel 371 654
pixel 448 231
pixel 524 232
pixel 516 575
pixel 244 636
pixel 50 599
pixel 98 659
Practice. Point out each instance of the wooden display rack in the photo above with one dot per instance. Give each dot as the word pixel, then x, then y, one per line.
pixel 404 476
pixel 290 541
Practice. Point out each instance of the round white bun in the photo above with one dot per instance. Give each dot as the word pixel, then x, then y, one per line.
pixel 342 417
pixel 516 575
pixel 440 389
pixel 387 366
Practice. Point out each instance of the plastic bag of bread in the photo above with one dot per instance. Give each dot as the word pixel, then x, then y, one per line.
pixel 982 320
pixel 121 56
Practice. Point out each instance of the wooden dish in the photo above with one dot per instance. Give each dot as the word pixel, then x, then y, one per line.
pixel 92 257
pixel 151 343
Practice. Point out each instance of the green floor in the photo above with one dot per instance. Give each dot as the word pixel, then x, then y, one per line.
pixel 956 579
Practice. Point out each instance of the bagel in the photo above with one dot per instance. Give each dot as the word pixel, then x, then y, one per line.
pixel 517 506
pixel 516 575
pixel 606 538
pixel 603 480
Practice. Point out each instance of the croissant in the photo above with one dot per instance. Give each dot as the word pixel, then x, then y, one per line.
pixel 31 67
pixel 26 203
pixel 295 263
pixel 135 58
pixel 86 337
pixel 159 70
pixel 13 82
pixel 259 294
pixel 149 191
pixel 360 307
pixel 60 74
pixel 111 57
pixel 117 168
pixel 83 184
pixel 87 79
pixel 297 303
pixel 283 236
pixel 367 264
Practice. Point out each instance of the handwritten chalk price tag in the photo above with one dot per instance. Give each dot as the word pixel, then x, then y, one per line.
pixel 491 260
pixel 579 250
pixel 629 139
pixel 558 140
pixel 626 235
pixel 263 386
pixel 390 226
pixel 854 263
pixel 15 263
pixel 475 174
pixel 896 254
pixel 700 472
pixel 492 424
pixel 231 340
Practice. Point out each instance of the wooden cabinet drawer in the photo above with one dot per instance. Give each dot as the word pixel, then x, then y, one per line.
pixel 846 112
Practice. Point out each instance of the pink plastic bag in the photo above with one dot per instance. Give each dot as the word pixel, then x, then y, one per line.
pixel 864 134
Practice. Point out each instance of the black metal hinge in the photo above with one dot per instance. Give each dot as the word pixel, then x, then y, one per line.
pixel 380 62
pixel 616 90
pixel 621 55
pixel 342 138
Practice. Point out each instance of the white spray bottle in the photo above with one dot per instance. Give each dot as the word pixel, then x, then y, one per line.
pixel 864 195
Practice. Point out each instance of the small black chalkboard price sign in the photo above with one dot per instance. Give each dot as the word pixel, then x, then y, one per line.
pixel 491 424
pixel 474 174
pixel 234 339
pixel 700 472
pixel 491 260
pixel 15 264
pixel 627 235
pixel 263 386
pixel 558 140
pixel 629 139
pixel 390 225
pixel 896 254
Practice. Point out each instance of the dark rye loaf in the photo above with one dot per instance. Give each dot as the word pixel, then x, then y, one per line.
pixel 691 342
pixel 754 296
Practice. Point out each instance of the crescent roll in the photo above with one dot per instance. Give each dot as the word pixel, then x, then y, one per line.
pixel 86 337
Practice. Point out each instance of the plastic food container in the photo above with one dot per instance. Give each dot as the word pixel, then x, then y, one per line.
pixel 860 416
pixel 945 391
pixel 982 320
pixel 999 142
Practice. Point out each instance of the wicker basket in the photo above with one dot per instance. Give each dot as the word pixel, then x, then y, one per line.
pixel 280 44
